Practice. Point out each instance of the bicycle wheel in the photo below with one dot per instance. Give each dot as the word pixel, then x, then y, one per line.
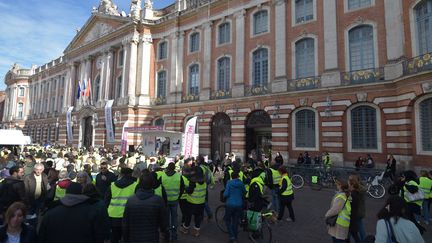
pixel 219 217
pixel 376 191
pixel 264 235
pixel 297 181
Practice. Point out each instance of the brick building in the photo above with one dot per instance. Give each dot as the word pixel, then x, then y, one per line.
pixel 351 77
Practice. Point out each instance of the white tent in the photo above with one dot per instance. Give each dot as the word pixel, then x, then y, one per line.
pixel 13 137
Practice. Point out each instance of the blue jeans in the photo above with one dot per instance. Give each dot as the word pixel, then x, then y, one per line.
pixel 172 210
pixel 275 198
pixel 207 207
pixel 232 220
pixel 361 229
pixel 426 215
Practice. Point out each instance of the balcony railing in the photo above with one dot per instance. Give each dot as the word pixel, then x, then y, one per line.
pixel 190 98
pixel 254 90
pixel 159 101
pixel 304 83
pixel 220 94
pixel 362 76
pixel 418 64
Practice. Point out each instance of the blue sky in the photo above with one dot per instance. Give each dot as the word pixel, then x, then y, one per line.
pixel 37 31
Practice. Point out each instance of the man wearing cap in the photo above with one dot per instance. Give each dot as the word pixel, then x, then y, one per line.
pixel 76 219
pixel 116 198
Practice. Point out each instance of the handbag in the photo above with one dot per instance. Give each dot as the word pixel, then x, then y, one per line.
pixel 254 220
pixel 418 196
pixel 391 236
pixel 331 220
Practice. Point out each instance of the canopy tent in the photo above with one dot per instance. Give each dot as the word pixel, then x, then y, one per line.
pixel 13 137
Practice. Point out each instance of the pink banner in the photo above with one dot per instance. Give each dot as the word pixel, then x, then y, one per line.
pixel 143 129
pixel 189 136
pixel 124 139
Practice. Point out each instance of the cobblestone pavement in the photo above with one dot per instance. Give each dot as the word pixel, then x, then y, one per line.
pixel 309 207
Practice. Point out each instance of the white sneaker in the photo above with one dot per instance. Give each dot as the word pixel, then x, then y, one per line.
pixel 288 219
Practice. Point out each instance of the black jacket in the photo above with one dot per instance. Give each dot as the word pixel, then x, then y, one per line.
pixel 77 218
pixel 145 214
pixel 12 190
pixel 28 234
pixel 103 182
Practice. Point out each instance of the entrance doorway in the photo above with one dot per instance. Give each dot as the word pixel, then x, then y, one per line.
pixel 258 134
pixel 220 135
pixel 88 132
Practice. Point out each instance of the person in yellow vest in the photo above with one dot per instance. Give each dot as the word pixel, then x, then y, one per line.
pixel 158 187
pixel 255 192
pixel 62 184
pixel 273 182
pixel 196 194
pixel 116 198
pixel 172 183
pixel 340 206
pixel 411 186
pixel 186 174
pixel 209 180
pixel 286 194
pixel 327 161
pixel 426 187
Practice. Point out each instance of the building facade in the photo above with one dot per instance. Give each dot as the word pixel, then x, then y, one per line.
pixel 350 77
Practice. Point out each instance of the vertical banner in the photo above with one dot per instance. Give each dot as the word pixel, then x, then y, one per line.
pixel 189 136
pixel 69 125
pixel 124 139
pixel 108 122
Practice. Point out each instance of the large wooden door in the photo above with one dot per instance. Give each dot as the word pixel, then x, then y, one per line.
pixel 88 132
pixel 258 133
pixel 220 135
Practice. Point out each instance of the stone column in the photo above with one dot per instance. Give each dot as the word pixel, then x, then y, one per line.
pixel 14 102
pixel 394 38
pixel 207 64
pixel 238 87
pixel 132 67
pixel 103 80
pixel 56 105
pixel 280 83
pixel 179 67
pixel 176 71
pixel 331 75
pixel 144 85
pixel 125 53
pixel 108 72
pixel 173 71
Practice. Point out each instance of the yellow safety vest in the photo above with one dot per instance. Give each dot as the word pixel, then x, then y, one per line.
pixel 119 199
pixel 198 195
pixel 426 185
pixel 289 190
pixel 411 183
pixel 259 181
pixel 186 184
pixel 158 190
pixel 172 186
pixel 276 176
pixel 59 193
pixel 344 216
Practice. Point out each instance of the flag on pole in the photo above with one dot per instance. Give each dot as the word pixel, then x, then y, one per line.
pixel 88 88
pixel 83 88
pixel 79 91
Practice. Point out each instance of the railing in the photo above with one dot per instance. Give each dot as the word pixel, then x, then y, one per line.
pixel 418 64
pixel 190 98
pixel 363 76
pixel 159 101
pixel 256 90
pixel 304 83
pixel 220 94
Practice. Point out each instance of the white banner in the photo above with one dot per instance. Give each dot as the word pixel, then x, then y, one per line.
pixel 124 139
pixel 69 125
pixel 189 136
pixel 108 122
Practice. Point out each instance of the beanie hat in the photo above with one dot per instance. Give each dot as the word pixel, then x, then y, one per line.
pixel 74 188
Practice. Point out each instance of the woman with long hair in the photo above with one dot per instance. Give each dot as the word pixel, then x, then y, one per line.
pixel 340 206
pixel 393 223
pixel 14 228
pixel 358 209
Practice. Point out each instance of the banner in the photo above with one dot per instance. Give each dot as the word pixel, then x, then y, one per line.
pixel 124 139
pixel 189 136
pixel 69 125
pixel 108 122
pixel 143 129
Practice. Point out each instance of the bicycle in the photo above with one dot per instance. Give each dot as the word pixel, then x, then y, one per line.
pixel 322 177
pixel 376 185
pixel 262 235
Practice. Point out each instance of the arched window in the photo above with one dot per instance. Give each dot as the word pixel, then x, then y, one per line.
pixel 423 18
pixel 305 58
pixel 194 42
pixel 223 74
pixel 194 79
pixel 305 129
pixel 260 67
pixel 260 22
pixel 364 128
pixel 224 33
pixel 361 48
pixel 96 90
pixel 161 84
pixel 159 122
pixel 20 111
pixel 426 124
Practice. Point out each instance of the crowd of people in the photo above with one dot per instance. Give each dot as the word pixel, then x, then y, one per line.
pixel 134 198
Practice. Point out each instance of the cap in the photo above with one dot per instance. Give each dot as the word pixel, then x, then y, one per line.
pixel 74 188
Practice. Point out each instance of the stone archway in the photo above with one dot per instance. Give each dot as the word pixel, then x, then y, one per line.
pixel 258 133
pixel 86 135
pixel 220 135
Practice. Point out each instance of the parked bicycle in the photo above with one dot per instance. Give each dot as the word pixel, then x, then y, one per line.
pixel 376 185
pixel 264 232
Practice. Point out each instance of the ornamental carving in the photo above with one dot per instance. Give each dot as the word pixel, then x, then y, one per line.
pixel 108 7
pixel 427 87
pixel 99 30
pixel 361 97
pixel 303 101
